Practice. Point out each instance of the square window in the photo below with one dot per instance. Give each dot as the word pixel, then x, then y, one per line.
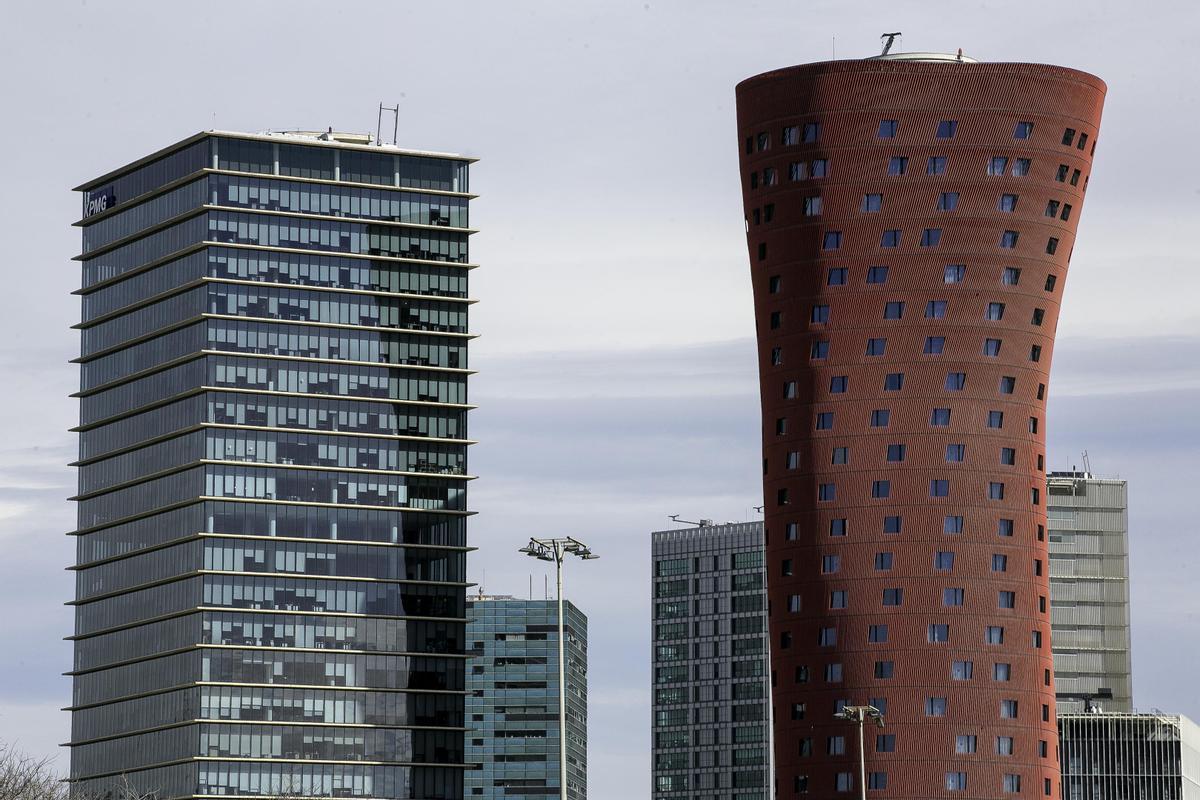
pixel 838 598
pixel 798 710
pixel 936 165
pixel 934 345
pixel 895 453
pixel 1008 709
pixel 791 532
pixel 819 349
pixel 887 128
pixel 794 603
pixel 812 132
pixel 876 347
pixel 935 309
pixel 837 527
pixel 890 238
pixel 770 177
pixel 824 420
pixel 947 201
pixel 898 165
pixel 940 417
pixel 1012 276
pixel 827 492
pixel 956 381
pixel 881 489
pixel 819 314
pixel 1008 456
pixel 999 563
pixel 764 141
pixel 1023 130
pixel 830 564
pixel 841 455
pixel 1008 384
pixel 893 382
pixel 790 135
pixel 943 560
pixel 812 206
pixel 1012 783
pixel 995 311
pixel 935 706
pixel 956 453
pixel 1021 167
pixel 893 597
pixel 962 670
pixel 798 170
pixel 1008 202
pixel 832 241
pixel 991 347
pixel 893 524
pixel 1001 672
pixel 885 743
pixel 789 390
pixel 997 165
pixel 880 417
pixel 1052 208
pixel 774 283
pixel 939 488
pixel 995 419
pixel 877 274
pixel 820 168
pixel 994 634
pixel 872 202
pixel 955 273
pixel 893 310
pixel 883 561
pixel 931 237
pixel 1008 600
pixel 827 637
pixel 947 128
pixel 844 781
pixel 964 744
pixel 793 460
pixel 995 490
pixel 952 524
pixel 952 596
pixel 838 384
pixel 1004 527
pixel 1008 239
pixel 837 277
pixel 836 745
pixel 885 669
pixel 800 676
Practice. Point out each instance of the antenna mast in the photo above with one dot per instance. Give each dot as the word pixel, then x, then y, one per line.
pixel 890 39
pixel 395 123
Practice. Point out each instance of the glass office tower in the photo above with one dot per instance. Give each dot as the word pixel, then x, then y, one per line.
pixel 512 699
pixel 272 484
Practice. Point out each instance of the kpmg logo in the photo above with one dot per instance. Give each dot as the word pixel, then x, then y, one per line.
pixel 99 200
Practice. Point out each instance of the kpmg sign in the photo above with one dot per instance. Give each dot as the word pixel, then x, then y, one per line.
pixel 99 200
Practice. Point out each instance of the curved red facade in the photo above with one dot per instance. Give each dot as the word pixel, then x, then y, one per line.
pixel 909 227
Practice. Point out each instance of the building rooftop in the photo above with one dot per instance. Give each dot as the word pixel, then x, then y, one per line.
pixel 929 58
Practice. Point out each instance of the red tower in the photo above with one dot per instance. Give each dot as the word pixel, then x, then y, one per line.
pixel 910 220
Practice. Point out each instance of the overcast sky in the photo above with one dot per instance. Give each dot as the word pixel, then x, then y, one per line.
pixel 617 381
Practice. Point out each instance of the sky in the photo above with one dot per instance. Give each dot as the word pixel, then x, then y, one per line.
pixel 616 379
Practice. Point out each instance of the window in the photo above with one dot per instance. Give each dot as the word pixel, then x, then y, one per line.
pixel 877 274
pixel 812 206
pixel 1004 527
pixel 991 347
pixel 877 633
pixel 876 347
pixel 892 524
pixel 934 345
pixel 789 390
pixel 1008 709
pixel 936 165
pixel 1050 281
pixel 943 560
pixel 1008 456
pixel 931 237
pixel 956 453
pixel 798 710
pixel 838 598
pixel 883 561
pixel 793 460
pixel 1066 212
pixel 770 177
pixel 962 670
pixel 947 201
pixel 762 251
pixel 893 310
pixel 1020 167
pixel 773 284
pixel 801 675
pixel 939 488
pixel 952 596
pixel 898 165
pixel 820 168
pixel 768 212
pixel 1037 639
pixel 995 419
pixel 781 497
pixel 1008 202
pixel 845 781
pixel 999 563
pixel 994 634
pixel 946 129
pixel 995 490
pixel 792 531
pixel 1012 783
pixel 836 745
pixel 890 238
pixel 953 524
pixel 893 382
pixel 764 141
pixel 785 640
pixel 1012 276
pixel 1035 352
pixel 827 637
pixel 785 567
pixel 780 426
pixel 790 135
pixel 838 384
pixel 997 165
pixel 819 314
pixel 797 170
pixel 885 669
pixel 935 706
pixel 964 744
pixel 940 417
pixel 887 128
pixel 794 603
pixel 1008 239
pixel 881 489
pixel 1051 245
pixel 776 319
pixel 956 781
pixel 827 492
pixel 749 145
pixel 935 309
pixel 895 453
pixel 1023 130
pixel 833 240
pixel 1068 136
pixel 1008 384
pixel 1083 137
pixel 1008 600
pixel 812 132
pixel 837 527
pixel 955 273
pixel 837 277
pixel 1039 314
pixel 830 564
pixel 885 743
pixel 1052 208
pixel 1001 672
pixel 893 597
pixel 872 202
pixel 955 381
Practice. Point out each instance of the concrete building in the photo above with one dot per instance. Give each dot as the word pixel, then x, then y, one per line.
pixel 272 471
pixel 1117 756
pixel 711 683
pixel 910 220
pixel 512 699
pixel 1087 519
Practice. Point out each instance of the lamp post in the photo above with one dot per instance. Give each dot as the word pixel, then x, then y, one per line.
pixel 860 714
pixel 556 550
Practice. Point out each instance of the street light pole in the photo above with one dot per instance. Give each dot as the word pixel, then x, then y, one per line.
pixel 860 714
pixel 556 550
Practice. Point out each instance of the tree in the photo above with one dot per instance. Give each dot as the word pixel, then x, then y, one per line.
pixel 23 777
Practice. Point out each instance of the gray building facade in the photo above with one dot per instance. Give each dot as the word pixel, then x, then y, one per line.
pixel 711 683
pixel 1118 756
pixel 1087 520
pixel 512 699
pixel 272 505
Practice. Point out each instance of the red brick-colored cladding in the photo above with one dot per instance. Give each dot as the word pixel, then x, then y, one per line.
pixel 849 99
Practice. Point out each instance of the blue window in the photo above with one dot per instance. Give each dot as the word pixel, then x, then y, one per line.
pixel 838 384
pixel 820 168
pixel 893 524
pixel 774 284
pixel 943 560
pixel 1068 136
pixel 876 347
pixel 812 132
pixel 946 129
pixel 939 488
pixel 931 237
pixel 962 670
pixel 893 382
pixel 994 634
pixel 1021 167
pixel 956 781
pixel 884 670
pixel 1008 239
pixel 997 165
pixel 895 452
pixel 955 273
pixel 1012 276
pixel 830 564
pixel 947 201
pixel 1008 600
pixel 820 314
pixel 883 561
pixel 995 419
pixel 1051 245
pixel 935 706
pixel 790 135
pixel 839 598
pixel 995 490
pixel 890 239
pixel 798 170
pixel 827 492
pixel 837 527
pixel 872 202
pixel 1008 456
pixel 1023 130
pixel 780 426
pixel 833 240
pixel 956 381
pixel 833 673
pixel 898 165
pixel 995 311
pixel 887 128
pixel 819 349
pixel 938 633
pixel 935 309
pixel 880 417
pixel 881 489
pixel 952 524
pixel 952 596
pixel 936 165
pixel 812 206
pixel 956 453
pixel 893 597
pixel 837 276
pixel 841 455
pixel 1008 202
pixel 824 420
pixel 893 310
pixel 991 347
pixel 877 274
pixel 1008 384
pixel 964 744
pixel 934 345
pixel 999 563
pixel 940 417
pixel 827 637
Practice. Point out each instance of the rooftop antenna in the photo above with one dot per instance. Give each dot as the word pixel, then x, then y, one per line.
pixel 701 523
pixel 395 123
pixel 887 45
pixel 1087 463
